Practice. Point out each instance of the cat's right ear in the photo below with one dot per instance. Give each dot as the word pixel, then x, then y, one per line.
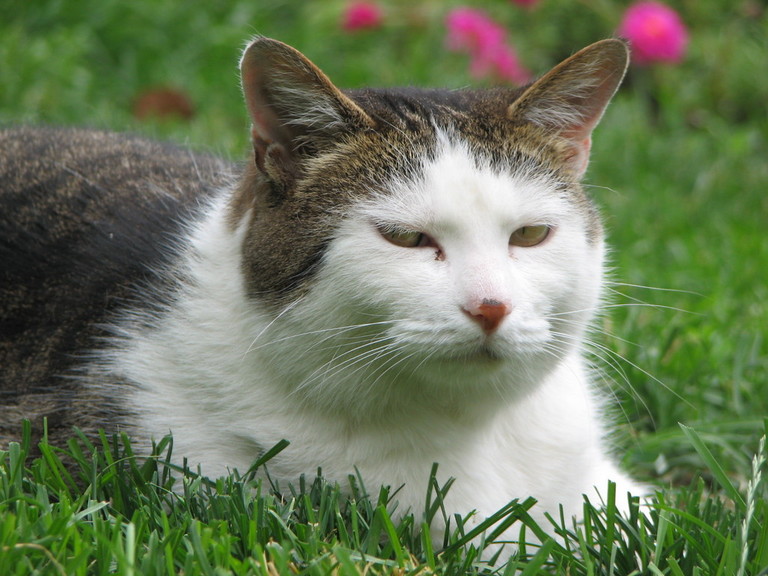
pixel 295 109
pixel 570 99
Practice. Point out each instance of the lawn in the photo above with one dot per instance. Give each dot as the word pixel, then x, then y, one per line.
pixel 680 169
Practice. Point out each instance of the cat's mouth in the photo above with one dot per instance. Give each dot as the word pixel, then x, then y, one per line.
pixel 484 353
pixel 493 351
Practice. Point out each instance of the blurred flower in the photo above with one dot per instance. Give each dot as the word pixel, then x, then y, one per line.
pixel 655 33
pixel 502 63
pixel 470 30
pixel 362 16
pixel 163 102
pixel 473 32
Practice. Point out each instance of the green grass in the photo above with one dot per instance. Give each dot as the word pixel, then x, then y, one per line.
pixel 679 168
pixel 118 515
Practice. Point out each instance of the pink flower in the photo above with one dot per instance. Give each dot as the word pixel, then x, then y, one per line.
pixel 362 16
pixel 655 33
pixel 470 30
pixel 505 65
pixel 473 32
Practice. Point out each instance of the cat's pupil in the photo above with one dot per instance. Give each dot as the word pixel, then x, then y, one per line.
pixel 528 236
pixel 404 238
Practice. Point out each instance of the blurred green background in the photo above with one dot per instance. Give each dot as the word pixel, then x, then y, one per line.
pixel 679 165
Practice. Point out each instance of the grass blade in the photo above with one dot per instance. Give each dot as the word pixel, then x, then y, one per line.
pixel 714 466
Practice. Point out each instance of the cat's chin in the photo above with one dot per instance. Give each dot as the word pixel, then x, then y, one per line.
pixel 495 361
pixel 487 357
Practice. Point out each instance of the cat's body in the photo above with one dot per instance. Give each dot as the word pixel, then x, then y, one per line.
pixel 398 278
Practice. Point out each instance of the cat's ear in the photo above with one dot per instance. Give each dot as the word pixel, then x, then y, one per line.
pixel 570 99
pixel 294 108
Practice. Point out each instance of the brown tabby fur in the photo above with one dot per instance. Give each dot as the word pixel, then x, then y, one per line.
pixel 84 216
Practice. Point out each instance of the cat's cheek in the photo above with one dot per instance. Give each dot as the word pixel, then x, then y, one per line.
pixel 379 279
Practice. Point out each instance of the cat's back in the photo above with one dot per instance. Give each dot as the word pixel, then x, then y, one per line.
pixel 84 216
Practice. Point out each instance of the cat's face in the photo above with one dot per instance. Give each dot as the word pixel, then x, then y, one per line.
pixel 464 269
pixel 439 241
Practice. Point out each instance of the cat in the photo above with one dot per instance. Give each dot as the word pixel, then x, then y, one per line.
pixel 396 277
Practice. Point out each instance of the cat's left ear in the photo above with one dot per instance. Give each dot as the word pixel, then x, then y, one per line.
pixel 570 99
pixel 295 109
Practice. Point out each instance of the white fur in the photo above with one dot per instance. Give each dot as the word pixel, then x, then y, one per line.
pixel 378 368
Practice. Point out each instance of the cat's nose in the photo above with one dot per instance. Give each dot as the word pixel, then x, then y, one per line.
pixel 489 314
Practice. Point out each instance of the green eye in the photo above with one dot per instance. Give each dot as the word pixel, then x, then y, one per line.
pixel 404 238
pixel 528 236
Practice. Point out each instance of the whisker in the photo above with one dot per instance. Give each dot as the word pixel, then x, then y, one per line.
pixel 612 353
pixel 636 304
pixel 651 288
pixel 598 187
pixel 385 367
pixel 331 332
pixel 613 360
pixel 333 367
pixel 594 330
pixel 270 324
pixel 598 368
pixel 361 362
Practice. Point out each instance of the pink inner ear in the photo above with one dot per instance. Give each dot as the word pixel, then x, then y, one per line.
pixel 578 157
pixel 265 124
pixel 581 158
pixel 259 149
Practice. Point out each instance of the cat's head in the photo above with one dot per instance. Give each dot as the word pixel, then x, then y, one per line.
pixel 448 227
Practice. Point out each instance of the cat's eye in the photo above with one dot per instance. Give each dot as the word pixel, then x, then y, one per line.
pixel 404 238
pixel 528 236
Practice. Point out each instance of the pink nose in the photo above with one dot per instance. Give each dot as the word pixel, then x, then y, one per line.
pixel 489 314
